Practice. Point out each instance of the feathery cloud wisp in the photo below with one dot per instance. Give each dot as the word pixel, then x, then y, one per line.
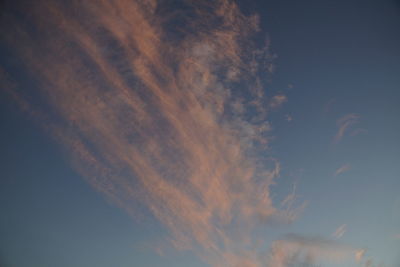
pixel 296 249
pixel 344 124
pixel 340 231
pixel 344 168
pixel 277 101
pixel 360 254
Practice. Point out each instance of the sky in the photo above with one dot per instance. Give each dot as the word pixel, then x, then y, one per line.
pixel 200 133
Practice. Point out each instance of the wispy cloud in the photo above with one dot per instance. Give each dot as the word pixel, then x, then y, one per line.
pixel 340 231
pixel 161 109
pixel 344 124
pixel 344 168
pixel 360 254
pixel 295 250
pixel 366 261
pixel 277 101
pixel 371 263
pixel 288 118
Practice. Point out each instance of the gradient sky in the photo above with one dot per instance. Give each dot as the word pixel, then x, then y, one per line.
pixel 174 133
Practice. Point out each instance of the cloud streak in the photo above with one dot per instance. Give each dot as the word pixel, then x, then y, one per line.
pixel 295 250
pixel 344 168
pixel 344 124
pixel 277 101
pixel 160 111
pixel 340 231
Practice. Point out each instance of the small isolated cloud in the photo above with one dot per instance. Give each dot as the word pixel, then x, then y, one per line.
pixel 295 250
pixel 359 254
pixel 344 124
pixel 340 231
pixel 288 118
pixel 364 261
pixel 344 168
pixel 277 101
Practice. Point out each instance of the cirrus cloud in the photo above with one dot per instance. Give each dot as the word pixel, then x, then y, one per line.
pixel 344 123
pixel 295 250
pixel 344 168
pixel 159 110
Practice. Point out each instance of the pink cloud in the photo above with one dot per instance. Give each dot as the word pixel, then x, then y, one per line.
pixel 360 254
pixel 296 249
pixel 148 120
pixel 339 231
pixel 277 101
pixel 344 168
pixel 344 124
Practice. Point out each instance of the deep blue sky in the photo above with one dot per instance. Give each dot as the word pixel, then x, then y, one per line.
pixel 334 58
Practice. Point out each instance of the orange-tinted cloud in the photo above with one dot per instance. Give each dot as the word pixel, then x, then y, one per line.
pixel 160 110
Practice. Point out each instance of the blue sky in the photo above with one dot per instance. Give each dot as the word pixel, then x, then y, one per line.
pixel 289 155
